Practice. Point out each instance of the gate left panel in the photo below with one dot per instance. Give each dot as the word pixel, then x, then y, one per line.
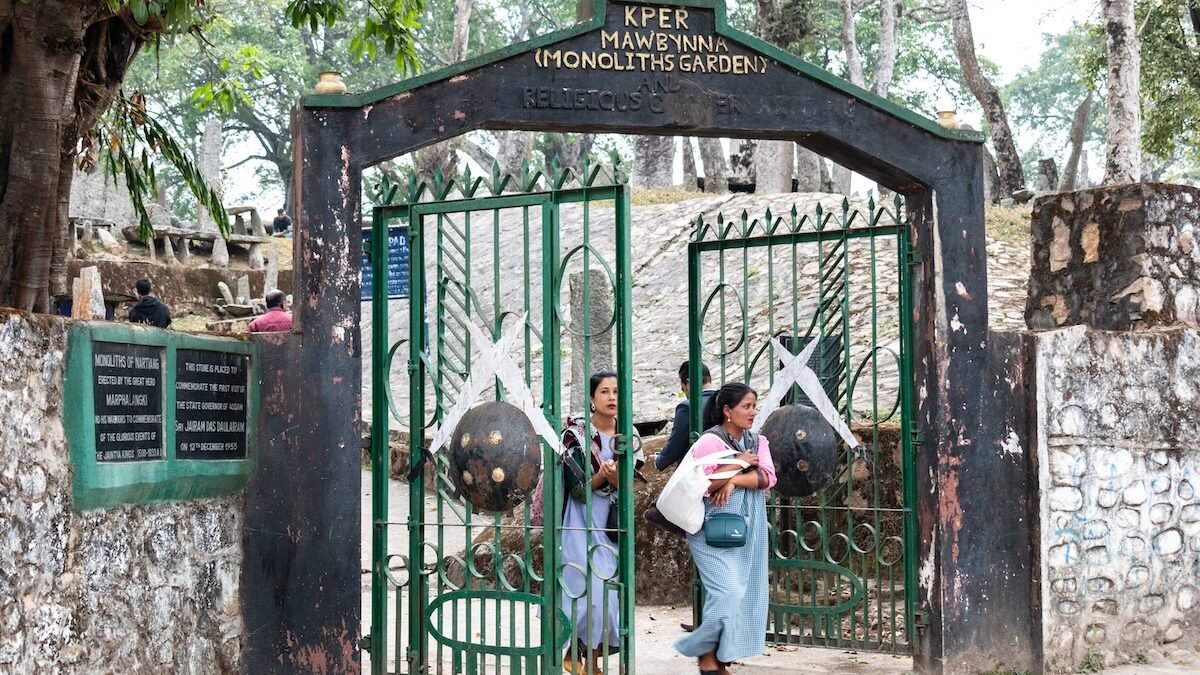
pixel 472 374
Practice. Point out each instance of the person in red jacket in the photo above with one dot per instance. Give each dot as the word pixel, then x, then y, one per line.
pixel 277 317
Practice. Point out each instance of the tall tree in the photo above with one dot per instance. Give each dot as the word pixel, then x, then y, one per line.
pixel 1123 161
pixel 62 66
pixel 885 64
pixel 1170 85
pixel 444 155
pixel 774 161
pixel 688 151
pixel 1079 125
pixel 716 169
pixel 1008 160
pixel 653 161
pixel 1053 105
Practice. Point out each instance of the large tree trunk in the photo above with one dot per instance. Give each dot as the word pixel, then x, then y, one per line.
pixel 41 55
pixel 46 49
pixel 443 156
pixel 1078 129
pixel 653 161
pixel 690 180
pixel 774 163
pixel 1012 176
pixel 515 148
pixel 886 65
pixel 808 171
pixel 716 171
pixel 568 149
pixel 1123 163
pixel 854 68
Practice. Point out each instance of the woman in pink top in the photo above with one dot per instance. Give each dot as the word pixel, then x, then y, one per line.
pixel 735 579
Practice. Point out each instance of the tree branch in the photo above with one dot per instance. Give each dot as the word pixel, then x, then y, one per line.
pixel 854 69
pixel 249 158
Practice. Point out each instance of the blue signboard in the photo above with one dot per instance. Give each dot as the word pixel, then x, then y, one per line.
pixel 398 263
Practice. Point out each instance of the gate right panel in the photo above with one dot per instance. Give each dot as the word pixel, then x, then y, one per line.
pixel 842 559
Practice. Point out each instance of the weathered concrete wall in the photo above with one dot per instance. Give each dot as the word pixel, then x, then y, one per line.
pixel 134 589
pixel 1117 419
pixel 1116 258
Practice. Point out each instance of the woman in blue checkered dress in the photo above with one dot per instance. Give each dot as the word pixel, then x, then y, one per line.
pixel 735 579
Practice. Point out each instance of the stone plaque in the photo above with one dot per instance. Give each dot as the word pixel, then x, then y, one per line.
pixel 210 404
pixel 128 393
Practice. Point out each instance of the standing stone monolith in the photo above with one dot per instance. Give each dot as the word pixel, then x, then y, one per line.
pixel 88 295
pixel 210 167
pixel 272 274
pixel 243 289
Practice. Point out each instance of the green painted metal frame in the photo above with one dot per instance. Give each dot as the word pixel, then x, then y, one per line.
pixel 415 207
pixel 825 230
pixel 95 484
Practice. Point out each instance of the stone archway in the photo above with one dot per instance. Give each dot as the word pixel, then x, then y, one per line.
pixel 718 82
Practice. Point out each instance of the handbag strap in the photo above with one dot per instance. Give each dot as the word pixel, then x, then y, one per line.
pixel 721 433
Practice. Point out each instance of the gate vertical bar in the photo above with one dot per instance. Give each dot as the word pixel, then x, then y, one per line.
pixel 695 393
pixel 416 648
pixel 551 367
pixel 625 426
pixel 379 443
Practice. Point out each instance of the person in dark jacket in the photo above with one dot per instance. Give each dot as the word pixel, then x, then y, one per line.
pixel 149 309
pixel 681 431
pixel 282 223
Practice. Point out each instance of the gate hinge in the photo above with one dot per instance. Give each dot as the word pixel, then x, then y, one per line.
pixel 921 619
pixel 917 437
pixel 365 643
pixel 915 259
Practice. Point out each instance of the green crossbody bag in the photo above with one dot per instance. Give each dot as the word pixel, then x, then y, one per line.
pixel 724 529
pixel 727 530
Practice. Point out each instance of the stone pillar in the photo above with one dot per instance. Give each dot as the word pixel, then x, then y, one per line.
pixel 271 279
pixel 1116 258
pixel 88 295
pixel 593 327
pixel 210 166
pixel 303 501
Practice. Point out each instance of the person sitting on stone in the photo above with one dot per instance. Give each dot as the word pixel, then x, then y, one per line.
pixel 277 318
pixel 149 309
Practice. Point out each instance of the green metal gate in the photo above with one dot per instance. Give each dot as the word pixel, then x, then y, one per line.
pixel 843 560
pixel 453 589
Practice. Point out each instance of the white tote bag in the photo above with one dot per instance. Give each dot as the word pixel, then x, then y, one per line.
pixel 682 500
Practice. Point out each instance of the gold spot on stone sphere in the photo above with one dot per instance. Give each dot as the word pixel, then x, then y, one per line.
pixel 468 478
pixel 466 440
pixel 801 434
pixel 498 475
pixel 495 438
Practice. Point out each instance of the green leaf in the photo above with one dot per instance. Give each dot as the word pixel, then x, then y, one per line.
pixel 141 13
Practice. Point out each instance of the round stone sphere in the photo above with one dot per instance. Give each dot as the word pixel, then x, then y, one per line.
pixel 495 456
pixel 804 448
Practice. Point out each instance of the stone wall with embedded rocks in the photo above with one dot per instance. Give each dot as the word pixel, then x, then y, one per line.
pixel 1116 258
pixel 133 589
pixel 1118 418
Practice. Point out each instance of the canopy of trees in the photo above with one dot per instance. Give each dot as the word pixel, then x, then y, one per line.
pixel 128 85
